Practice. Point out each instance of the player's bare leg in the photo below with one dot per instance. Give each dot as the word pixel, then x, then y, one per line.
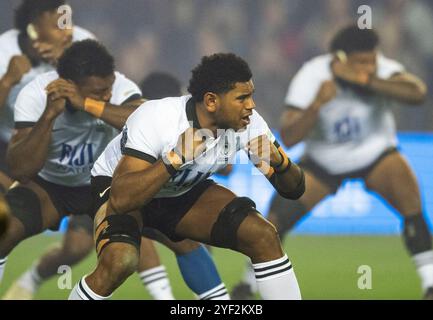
pixel 283 214
pixel 5 182
pixel 77 243
pixel 394 180
pixel 255 237
pixel 31 212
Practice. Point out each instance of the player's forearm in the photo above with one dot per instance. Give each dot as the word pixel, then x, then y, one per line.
pixel 296 129
pixel 5 89
pixel 116 116
pixel 33 147
pixel 406 91
pixel 131 191
pixel 290 182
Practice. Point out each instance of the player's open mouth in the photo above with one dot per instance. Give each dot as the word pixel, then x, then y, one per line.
pixel 246 120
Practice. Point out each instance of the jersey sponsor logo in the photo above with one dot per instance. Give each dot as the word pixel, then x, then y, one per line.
pixel 347 129
pixel 77 156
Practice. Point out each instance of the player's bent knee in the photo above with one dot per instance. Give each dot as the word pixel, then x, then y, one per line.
pixel 117 262
pixel 78 250
pixel 260 239
pixel 225 229
pixel 118 228
pixel 25 206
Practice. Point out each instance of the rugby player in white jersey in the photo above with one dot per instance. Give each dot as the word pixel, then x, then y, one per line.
pixel 31 49
pixel 64 120
pixel 156 172
pixel 341 105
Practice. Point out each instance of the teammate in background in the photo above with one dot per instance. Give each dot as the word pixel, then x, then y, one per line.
pixel 191 256
pixel 341 104
pixel 164 157
pixel 32 48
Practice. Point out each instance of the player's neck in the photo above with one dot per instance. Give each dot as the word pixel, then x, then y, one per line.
pixel 205 119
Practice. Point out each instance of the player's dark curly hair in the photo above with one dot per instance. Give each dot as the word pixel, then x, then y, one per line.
pixel 29 10
pixel 159 85
pixel 351 39
pixel 85 59
pixel 218 73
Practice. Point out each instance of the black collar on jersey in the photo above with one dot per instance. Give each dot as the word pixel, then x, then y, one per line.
pixel 191 113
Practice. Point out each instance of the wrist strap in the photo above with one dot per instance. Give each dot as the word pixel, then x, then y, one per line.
pixel 285 164
pixel 94 107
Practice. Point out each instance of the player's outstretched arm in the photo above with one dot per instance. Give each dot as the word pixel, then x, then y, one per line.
pixel 28 147
pixel 286 177
pixel 404 87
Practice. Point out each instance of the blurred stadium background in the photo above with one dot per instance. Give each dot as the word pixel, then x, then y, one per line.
pixel 346 231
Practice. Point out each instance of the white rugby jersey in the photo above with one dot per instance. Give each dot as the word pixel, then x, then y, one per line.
pixel 8 48
pixel 154 129
pixel 352 130
pixel 77 137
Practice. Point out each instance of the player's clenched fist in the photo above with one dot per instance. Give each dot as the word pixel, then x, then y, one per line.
pixel 190 145
pixel 18 67
pixel 261 149
pixel 327 92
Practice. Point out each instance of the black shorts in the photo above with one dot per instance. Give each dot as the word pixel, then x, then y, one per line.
pixel 68 200
pixel 162 214
pixel 333 181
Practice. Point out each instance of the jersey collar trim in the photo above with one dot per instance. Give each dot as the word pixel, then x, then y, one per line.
pixel 191 113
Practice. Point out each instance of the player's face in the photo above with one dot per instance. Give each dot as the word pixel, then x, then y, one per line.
pixel 364 61
pixel 97 88
pixel 236 107
pixel 49 31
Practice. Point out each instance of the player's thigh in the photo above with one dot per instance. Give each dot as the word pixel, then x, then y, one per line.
pixel 5 182
pixel 393 179
pixel 48 213
pixel 315 190
pixel 78 238
pixel 197 223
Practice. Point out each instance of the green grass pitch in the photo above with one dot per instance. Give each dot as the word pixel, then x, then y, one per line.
pixel 326 268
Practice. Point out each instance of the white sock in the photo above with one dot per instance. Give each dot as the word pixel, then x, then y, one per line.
pixel 2 267
pixel 424 266
pixel 249 277
pixel 81 291
pixel 31 280
pixel 217 293
pixel 157 284
pixel 276 280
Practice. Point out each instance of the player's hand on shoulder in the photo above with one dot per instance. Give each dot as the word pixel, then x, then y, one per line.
pixel 18 66
pixel 327 92
pixel 66 89
pixel 55 105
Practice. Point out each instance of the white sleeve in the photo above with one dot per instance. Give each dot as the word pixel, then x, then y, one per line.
pixel 82 34
pixel 386 68
pixel 143 138
pixel 123 89
pixel 30 103
pixel 304 86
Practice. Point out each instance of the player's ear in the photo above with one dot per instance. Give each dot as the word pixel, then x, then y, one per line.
pixel 210 100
